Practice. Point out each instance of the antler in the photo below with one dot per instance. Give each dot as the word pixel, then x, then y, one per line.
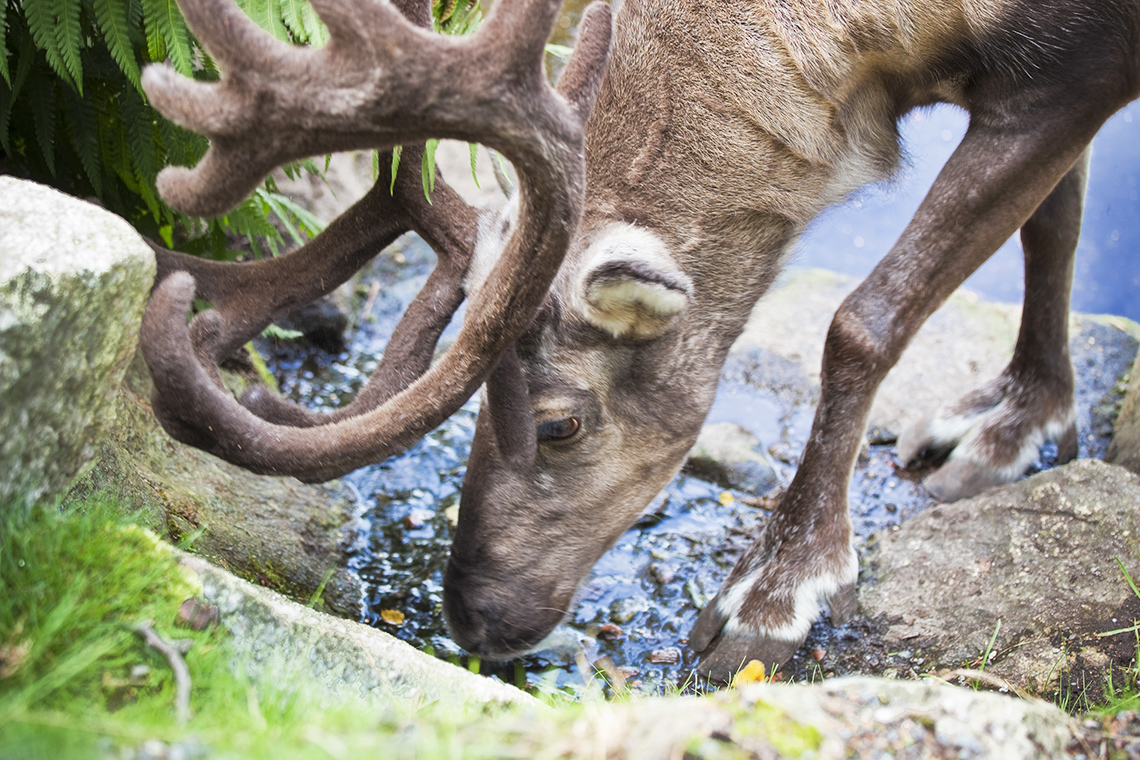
pixel 380 81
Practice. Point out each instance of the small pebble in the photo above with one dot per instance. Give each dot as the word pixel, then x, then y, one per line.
pixel 197 616
pixel 610 632
pixel 818 653
pixel 666 656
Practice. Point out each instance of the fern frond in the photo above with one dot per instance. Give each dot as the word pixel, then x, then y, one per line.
pixel 113 19
pixel 5 119
pixel 293 14
pixel 155 42
pixel 68 38
pixel 428 168
pixel 163 19
pixel 43 116
pixel 318 32
pixel 4 43
pixel 274 21
pixel 473 148
pixel 41 23
pixel 82 133
pixel 138 120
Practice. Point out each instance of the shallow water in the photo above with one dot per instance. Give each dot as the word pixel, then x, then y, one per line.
pixel 636 607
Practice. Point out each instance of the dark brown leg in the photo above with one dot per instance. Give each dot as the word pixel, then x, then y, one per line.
pixel 996 431
pixel 1008 163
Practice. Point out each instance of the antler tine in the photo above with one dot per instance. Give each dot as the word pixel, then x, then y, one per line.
pixel 582 76
pixel 448 225
pixel 504 103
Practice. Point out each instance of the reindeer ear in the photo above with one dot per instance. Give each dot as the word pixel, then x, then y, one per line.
pixel 632 288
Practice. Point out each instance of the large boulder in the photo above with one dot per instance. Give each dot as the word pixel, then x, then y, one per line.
pixel 1125 447
pixel 1029 576
pixel 277 532
pixel 73 282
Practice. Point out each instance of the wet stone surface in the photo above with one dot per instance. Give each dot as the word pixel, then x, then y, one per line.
pixel 636 608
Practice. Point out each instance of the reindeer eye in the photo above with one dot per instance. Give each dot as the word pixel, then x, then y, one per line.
pixel 558 430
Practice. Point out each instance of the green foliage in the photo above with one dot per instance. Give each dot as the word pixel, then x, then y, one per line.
pixel 73 113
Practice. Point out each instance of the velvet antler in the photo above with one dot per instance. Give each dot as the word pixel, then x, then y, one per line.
pixel 380 81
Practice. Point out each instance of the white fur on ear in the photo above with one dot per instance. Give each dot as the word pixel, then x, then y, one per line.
pixel 631 287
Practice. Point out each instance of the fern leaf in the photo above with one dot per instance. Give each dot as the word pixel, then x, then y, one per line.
pixel 274 23
pixel 293 14
pixel 396 152
pixel 428 168
pixel 177 38
pixel 4 43
pixel 113 21
pixel 82 133
pixel 318 32
pixel 272 201
pixel 41 23
pixel 27 56
pixel 68 37
pixel 163 20
pixel 139 123
pixel 5 119
pixel 43 116
pixel 155 42
pixel 474 149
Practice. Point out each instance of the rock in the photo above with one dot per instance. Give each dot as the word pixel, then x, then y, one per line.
pixel 275 638
pixel 730 456
pixel 321 323
pixel 964 344
pixel 73 282
pixel 1040 556
pixel 277 532
pixel 1125 447
pixel 840 718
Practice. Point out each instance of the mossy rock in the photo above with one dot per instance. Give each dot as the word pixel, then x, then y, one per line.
pixel 277 532
pixel 73 282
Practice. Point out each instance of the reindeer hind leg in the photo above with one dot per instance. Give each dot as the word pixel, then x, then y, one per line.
pixel 993 435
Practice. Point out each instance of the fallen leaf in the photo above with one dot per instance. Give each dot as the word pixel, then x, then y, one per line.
pixel 392 617
pixel 726 499
pixel 753 672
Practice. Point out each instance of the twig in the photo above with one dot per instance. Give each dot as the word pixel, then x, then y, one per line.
pixel 173 653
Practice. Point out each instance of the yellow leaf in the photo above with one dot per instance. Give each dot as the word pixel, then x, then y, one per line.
pixel 753 672
pixel 452 513
pixel 726 498
pixel 392 617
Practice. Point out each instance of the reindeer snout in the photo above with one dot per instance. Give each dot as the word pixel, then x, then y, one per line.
pixel 494 618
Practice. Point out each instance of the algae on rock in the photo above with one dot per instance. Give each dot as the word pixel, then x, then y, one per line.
pixel 73 282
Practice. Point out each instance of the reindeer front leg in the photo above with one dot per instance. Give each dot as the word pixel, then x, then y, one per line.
pixel 1008 163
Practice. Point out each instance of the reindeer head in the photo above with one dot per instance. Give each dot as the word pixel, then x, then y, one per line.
pixel 583 421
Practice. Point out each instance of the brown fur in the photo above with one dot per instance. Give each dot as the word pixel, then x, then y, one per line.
pixel 720 131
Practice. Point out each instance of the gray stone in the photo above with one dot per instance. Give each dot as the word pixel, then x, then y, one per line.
pixel 840 718
pixel 1041 556
pixel 732 457
pixel 275 638
pixel 277 532
pixel 964 344
pixel 1125 447
pixel 73 282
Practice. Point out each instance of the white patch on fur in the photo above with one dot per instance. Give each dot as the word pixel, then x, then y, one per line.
pixel 493 232
pixel 632 307
pixel 810 601
pixel 966 432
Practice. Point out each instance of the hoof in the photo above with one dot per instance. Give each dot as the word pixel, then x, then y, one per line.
pixel 730 652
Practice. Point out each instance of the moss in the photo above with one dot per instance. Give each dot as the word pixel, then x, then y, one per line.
pixel 276 532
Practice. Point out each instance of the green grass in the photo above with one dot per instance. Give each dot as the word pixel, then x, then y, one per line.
pixel 76 680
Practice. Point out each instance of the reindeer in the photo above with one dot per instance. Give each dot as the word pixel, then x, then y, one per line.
pixel 605 298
